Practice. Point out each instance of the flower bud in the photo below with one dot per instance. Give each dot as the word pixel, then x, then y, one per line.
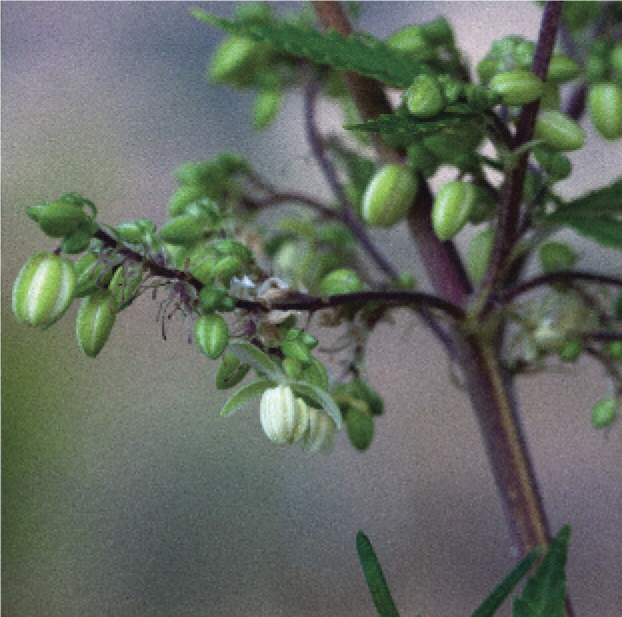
pixel 517 87
pixel 284 417
pixel 211 334
pixel 604 413
pixel 556 256
pixel 559 131
pixel 604 103
pixel 452 207
pixel 230 372
pixel 58 218
pixel 360 427
pixel 340 281
pixel 43 289
pixel 389 195
pixel 562 68
pixel 95 321
pixel 183 229
pixel 321 434
pixel 424 98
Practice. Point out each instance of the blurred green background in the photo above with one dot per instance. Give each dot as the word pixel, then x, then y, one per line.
pixel 124 493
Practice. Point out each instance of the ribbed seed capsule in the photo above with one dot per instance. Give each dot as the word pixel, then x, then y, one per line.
pixel 212 335
pixel 183 229
pixel 341 281
pixel 95 321
pixel 57 218
pixel 284 417
pixel 479 253
pixel 321 434
pixel 424 98
pixel 43 289
pixel 452 207
pixel 559 131
pixel 604 103
pixel 517 87
pixel 389 195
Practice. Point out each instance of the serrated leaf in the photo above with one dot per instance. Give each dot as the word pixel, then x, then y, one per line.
pixel 375 577
pixel 606 231
pixel 323 399
pixel 490 605
pixel 392 124
pixel 545 591
pixel 245 395
pixel 257 359
pixel 369 57
pixel 606 201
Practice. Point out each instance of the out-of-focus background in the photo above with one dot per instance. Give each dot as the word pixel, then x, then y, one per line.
pixel 124 493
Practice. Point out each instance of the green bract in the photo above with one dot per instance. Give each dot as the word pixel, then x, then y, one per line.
pixel 452 207
pixel 95 321
pixel 211 334
pixel 183 197
pixel 79 240
pixel 43 289
pixel 125 284
pixel 604 103
pixel 424 98
pixel 340 281
pixel 389 195
pixel 559 131
pixel 517 87
pixel 230 372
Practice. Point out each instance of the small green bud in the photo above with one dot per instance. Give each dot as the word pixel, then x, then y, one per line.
pixel 559 131
pixel 340 281
pixel 389 195
pixel 96 317
pixel 266 107
pixel 297 350
pixel 230 372
pixel 562 68
pixel 479 253
pixel 452 207
pixel 183 197
pixel 211 334
pixel 360 427
pixel 284 417
pixel 134 232
pixel 604 413
pixel 571 351
pixel 183 229
pixel 556 256
pixel 517 87
pixel 604 103
pixel 321 433
pixel 424 97
pixel 43 289
pixel 58 218
pixel 596 68
pixel 409 40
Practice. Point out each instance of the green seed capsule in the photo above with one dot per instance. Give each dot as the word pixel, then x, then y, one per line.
pixel 95 321
pixel 284 417
pixel 604 413
pixel 211 334
pixel 183 197
pixel 517 87
pixel 340 281
pixel 210 298
pixel 389 195
pixel 556 256
pixel 562 68
pixel 424 98
pixel 58 218
pixel 409 40
pixel 43 289
pixel 230 372
pixel 226 268
pixel 551 96
pixel 559 131
pixel 604 103
pixel 134 232
pixel 479 253
pixel 184 230
pixel 360 427
pixel 452 207
pixel 233 248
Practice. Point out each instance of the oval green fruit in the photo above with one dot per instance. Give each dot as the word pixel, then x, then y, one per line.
pixel 562 68
pixel 183 197
pixel 559 131
pixel 183 229
pixel 604 103
pixel 479 253
pixel 604 413
pixel 360 427
pixel 410 40
pixel 211 334
pixel 389 195
pixel 517 87
pixel 58 218
pixel 95 321
pixel 424 98
pixel 43 289
pixel 340 281
pixel 452 208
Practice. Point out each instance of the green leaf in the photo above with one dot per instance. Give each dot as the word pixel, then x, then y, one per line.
pixel 368 57
pixel 604 230
pixel 490 605
pixel 323 399
pixel 254 357
pixel 245 395
pixel 392 124
pixel 375 578
pixel 606 201
pixel 544 592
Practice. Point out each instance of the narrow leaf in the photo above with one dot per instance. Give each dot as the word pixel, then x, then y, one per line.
pixel 544 592
pixel 375 577
pixel 323 399
pixel 606 201
pixel 253 356
pixel 245 395
pixel 490 605
pixel 368 57
pixel 606 231
pixel 393 124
